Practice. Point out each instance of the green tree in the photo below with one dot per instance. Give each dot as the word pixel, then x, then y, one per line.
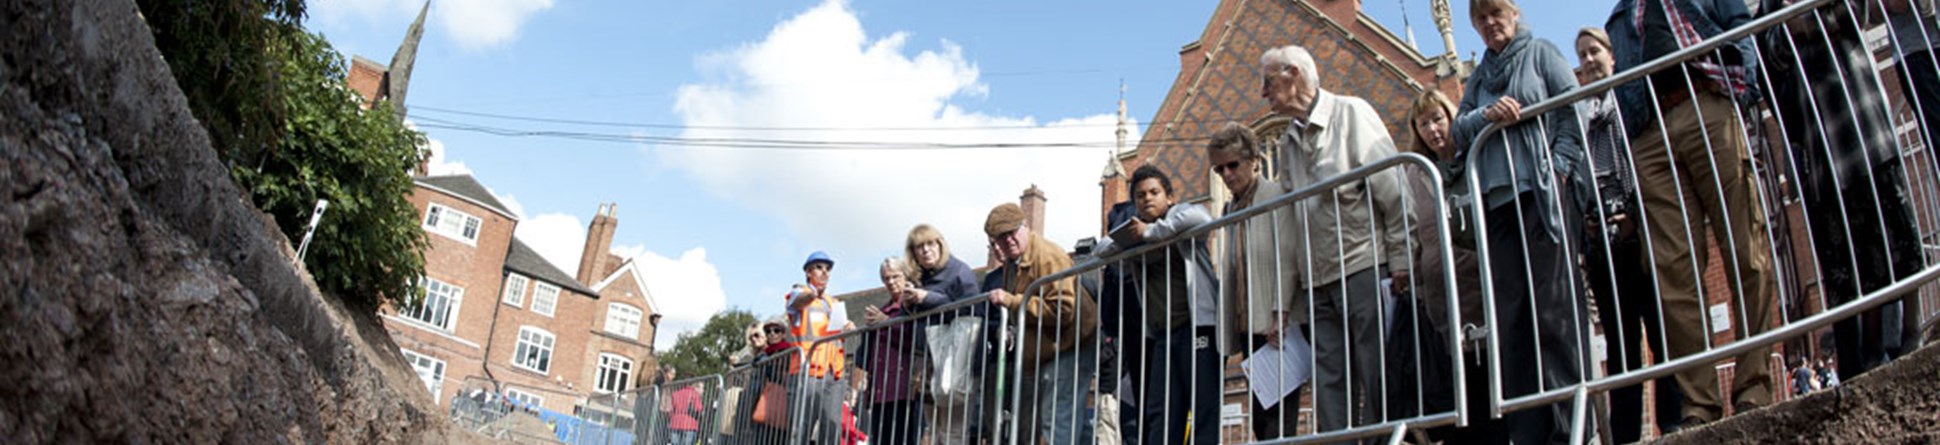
pixel 368 244
pixel 707 351
pixel 273 100
pixel 220 53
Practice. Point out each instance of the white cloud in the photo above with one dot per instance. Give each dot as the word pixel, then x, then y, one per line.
pixel 686 290
pixel 511 203
pixel 558 237
pixel 441 163
pixel 483 23
pixel 473 24
pixel 629 251
pixel 820 69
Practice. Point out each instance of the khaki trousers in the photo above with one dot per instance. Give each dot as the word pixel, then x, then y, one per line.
pixel 1713 186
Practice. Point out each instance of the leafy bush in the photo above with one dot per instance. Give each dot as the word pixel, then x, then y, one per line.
pixel 274 101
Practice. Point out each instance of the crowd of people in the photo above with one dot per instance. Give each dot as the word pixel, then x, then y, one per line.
pixel 1609 206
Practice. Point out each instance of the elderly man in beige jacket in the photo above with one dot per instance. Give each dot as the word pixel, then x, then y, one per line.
pixel 1349 231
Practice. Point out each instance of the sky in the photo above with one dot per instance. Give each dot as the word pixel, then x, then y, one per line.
pixel 900 87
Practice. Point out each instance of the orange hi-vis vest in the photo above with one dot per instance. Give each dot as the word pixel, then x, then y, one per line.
pixel 827 358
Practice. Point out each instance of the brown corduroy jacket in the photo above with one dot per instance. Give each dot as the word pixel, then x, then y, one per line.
pixel 1059 314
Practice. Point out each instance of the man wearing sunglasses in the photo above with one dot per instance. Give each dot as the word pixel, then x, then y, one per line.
pixel 814 314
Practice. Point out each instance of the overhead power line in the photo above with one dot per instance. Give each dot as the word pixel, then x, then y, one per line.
pixel 615 124
pixel 759 143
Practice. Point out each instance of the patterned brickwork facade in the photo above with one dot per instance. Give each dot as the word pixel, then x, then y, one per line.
pixel 1219 82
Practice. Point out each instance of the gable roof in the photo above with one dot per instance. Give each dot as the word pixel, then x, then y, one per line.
pixel 1219 80
pixel 467 188
pixel 631 268
pixel 522 259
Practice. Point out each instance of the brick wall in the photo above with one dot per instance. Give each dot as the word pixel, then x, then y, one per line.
pixel 365 78
pixel 627 291
pixel 477 268
pixel 566 374
pixel 1219 82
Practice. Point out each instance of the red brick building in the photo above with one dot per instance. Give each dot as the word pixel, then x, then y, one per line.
pixel 494 314
pixel 498 316
pixel 1219 82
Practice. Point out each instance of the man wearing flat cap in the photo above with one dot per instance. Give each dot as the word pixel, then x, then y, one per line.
pixel 1058 321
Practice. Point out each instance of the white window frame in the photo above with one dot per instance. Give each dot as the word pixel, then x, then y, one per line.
pixel 430 369
pixel 514 293
pixel 546 294
pixel 616 366
pixel 537 343
pixel 452 296
pixel 623 320
pixel 451 223
pixel 530 398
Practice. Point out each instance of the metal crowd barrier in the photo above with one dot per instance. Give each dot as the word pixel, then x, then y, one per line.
pixel 929 377
pixel 1170 373
pixel 681 412
pixel 1822 145
pixel 1346 355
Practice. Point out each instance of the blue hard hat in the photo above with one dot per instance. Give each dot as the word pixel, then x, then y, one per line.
pixel 818 256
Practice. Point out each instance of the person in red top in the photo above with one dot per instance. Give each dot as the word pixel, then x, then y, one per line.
pixel 850 434
pixel 682 405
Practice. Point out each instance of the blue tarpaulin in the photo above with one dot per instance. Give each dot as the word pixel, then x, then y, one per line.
pixel 579 431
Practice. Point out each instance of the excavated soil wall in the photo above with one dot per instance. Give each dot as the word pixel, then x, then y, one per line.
pixel 142 298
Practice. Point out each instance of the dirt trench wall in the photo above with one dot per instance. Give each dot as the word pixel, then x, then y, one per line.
pixel 142 299
pixel 1896 403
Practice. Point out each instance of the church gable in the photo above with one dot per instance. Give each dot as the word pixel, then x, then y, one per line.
pixel 1226 86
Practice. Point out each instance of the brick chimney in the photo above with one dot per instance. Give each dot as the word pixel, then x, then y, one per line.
pixel 1033 204
pixel 599 239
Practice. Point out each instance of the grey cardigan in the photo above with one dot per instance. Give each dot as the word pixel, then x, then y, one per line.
pixel 1530 70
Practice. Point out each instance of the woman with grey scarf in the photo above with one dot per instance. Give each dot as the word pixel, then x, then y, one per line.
pixel 1527 172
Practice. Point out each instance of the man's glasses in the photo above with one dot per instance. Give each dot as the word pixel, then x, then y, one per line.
pixel 1005 238
pixel 1267 76
pixel 1224 169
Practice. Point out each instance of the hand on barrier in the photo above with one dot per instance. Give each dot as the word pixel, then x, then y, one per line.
pixel 1504 111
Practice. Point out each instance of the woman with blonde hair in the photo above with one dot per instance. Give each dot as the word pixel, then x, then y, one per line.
pixel 939 279
pixel 1429 373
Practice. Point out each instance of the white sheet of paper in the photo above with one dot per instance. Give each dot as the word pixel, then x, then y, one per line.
pixel 839 316
pixel 1273 373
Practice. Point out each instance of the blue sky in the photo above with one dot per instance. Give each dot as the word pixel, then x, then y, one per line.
pixel 729 227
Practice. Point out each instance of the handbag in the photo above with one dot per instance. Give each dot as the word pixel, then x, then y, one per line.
pixel 771 408
pixel 730 402
pixel 953 349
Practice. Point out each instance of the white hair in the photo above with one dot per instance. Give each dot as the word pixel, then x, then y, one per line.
pixel 1293 56
pixel 895 263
